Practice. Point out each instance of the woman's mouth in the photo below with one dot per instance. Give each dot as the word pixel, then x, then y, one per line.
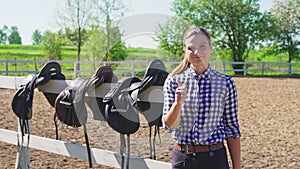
pixel 197 57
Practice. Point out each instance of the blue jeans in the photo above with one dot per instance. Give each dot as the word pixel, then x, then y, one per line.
pixel 201 160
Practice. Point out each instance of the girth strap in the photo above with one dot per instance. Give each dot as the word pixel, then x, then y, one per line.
pixel 123 148
pixel 153 142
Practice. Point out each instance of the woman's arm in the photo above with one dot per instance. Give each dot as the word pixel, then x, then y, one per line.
pixel 234 147
pixel 231 124
pixel 172 118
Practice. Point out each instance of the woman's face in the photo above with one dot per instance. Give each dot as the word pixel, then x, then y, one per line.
pixel 197 50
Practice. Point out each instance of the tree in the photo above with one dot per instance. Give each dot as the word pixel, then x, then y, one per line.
pixel 51 44
pixel 95 47
pixel 117 51
pixel 110 10
pixel 3 34
pixel 37 37
pixel 76 18
pixel 170 36
pixel 14 37
pixel 287 14
pixel 236 24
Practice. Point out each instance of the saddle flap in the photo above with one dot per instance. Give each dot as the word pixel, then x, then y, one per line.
pixel 119 112
pixel 22 103
pixel 23 98
pixel 79 99
pixel 64 108
pixel 70 104
pixel 118 120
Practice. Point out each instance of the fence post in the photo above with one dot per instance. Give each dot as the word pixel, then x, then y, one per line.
pixel 6 67
pixel 132 69
pixel 245 69
pixel 224 67
pixel 262 68
pixel 75 69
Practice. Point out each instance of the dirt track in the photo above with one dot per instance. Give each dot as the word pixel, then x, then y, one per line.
pixel 268 113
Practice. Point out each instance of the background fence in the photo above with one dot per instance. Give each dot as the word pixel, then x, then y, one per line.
pixel 125 68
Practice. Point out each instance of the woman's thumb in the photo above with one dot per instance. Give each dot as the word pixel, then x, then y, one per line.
pixel 179 83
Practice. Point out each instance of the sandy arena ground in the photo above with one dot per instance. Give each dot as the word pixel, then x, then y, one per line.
pixel 269 114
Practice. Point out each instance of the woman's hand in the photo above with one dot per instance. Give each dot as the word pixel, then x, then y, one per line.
pixel 180 93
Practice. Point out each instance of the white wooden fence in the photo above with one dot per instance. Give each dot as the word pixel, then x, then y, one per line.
pixel 260 68
pixel 99 156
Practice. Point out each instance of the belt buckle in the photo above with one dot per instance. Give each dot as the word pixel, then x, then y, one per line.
pixel 187 150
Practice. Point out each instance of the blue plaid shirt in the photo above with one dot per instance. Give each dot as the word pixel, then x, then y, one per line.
pixel 209 112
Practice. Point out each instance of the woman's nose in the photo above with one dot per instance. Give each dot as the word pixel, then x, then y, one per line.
pixel 196 51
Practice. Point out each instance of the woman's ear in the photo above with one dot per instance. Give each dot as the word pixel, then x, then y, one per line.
pixel 210 46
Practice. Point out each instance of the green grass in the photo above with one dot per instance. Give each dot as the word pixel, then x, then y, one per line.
pixel 144 54
pixel 32 52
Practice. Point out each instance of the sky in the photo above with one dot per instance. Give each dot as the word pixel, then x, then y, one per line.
pixel 138 23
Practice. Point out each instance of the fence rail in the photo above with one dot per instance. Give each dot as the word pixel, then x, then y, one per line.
pixel 21 67
pixel 70 149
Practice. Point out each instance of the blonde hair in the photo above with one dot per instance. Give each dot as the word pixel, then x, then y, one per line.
pixel 185 64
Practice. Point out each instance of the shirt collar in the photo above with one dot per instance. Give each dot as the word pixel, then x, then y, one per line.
pixel 205 75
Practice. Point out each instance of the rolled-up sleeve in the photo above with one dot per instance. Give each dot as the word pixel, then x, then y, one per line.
pixel 169 98
pixel 231 111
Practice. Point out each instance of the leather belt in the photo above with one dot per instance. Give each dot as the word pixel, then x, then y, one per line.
pixel 198 148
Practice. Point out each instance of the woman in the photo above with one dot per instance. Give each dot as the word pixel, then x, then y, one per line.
pixel 200 109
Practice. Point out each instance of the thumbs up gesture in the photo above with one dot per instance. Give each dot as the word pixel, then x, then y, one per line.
pixel 180 93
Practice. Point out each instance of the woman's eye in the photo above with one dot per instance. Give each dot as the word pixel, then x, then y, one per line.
pixel 191 49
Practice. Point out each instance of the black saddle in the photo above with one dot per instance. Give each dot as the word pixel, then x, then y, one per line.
pixel 65 106
pixel 22 99
pixel 155 75
pixel 120 113
pixel 103 75
pixel 123 105
pixel 70 106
